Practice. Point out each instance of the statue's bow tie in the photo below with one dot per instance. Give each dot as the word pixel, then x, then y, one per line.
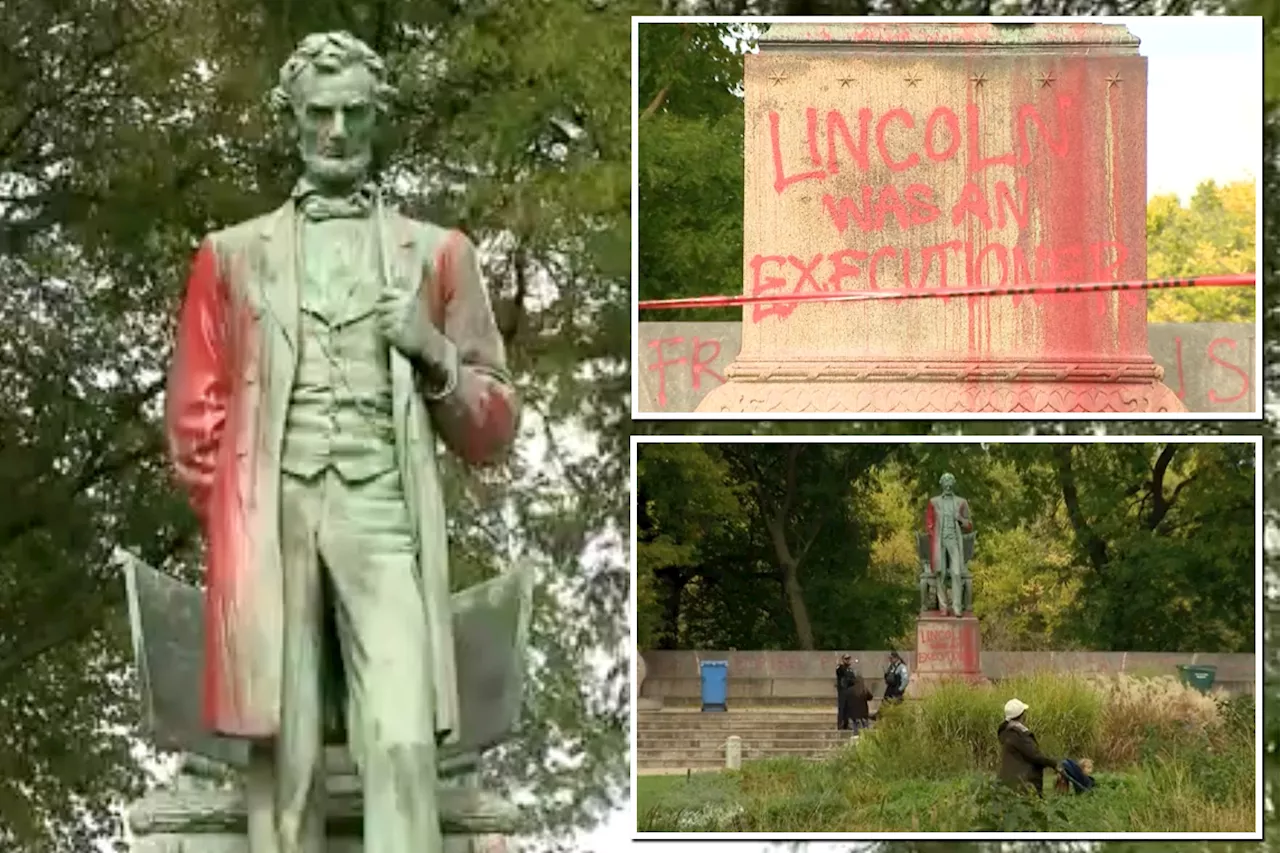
pixel 317 207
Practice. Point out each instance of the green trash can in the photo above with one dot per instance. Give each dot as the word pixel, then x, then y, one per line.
pixel 1199 677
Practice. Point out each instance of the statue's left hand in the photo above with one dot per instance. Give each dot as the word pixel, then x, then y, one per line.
pixel 406 326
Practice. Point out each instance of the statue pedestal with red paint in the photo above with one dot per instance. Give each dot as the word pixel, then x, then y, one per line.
pixel 948 648
pixel 944 157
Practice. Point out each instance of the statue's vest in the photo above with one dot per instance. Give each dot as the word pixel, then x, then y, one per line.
pixel 340 411
pixel 948 522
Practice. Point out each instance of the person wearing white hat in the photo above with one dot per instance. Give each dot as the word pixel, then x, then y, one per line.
pixel 1022 763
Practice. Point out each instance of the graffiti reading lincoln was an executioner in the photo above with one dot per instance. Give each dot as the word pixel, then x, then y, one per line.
pixel 904 145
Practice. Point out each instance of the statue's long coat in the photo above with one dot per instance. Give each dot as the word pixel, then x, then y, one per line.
pixel 228 392
pixel 933 524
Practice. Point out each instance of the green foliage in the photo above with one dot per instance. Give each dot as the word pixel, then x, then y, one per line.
pixel 1129 547
pixel 1214 234
pixel 783 564
pixel 1003 809
pixel 930 766
pixel 690 160
pixel 1029 585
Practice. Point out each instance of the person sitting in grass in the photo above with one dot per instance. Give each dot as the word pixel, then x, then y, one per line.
pixel 1021 761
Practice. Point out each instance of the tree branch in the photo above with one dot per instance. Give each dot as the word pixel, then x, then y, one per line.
pixel 1158 507
pixel 75 623
pixel 1095 548
pixel 660 98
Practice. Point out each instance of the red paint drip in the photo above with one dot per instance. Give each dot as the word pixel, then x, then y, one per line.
pixel 1246 280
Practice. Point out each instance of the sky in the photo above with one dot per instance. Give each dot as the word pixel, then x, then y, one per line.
pixel 1204 96
pixel 1204 121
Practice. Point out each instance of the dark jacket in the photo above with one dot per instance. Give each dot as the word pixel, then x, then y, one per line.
pixel 892 675
pixel 844 677
pixel 1021 761
pixel 859 696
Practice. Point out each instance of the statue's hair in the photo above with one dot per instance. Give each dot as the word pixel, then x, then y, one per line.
pixel 330 53
pixel 945 477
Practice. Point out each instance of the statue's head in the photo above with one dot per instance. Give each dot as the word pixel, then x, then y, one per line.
pixel 948 483
pixel 334 88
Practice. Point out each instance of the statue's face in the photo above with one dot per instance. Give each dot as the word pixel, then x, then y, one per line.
pixel 336 118
pixel 948 484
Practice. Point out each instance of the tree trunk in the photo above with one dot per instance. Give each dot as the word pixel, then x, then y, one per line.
pixel 799 612
pixel 788 563
pixel 673 583
pixel 1094 546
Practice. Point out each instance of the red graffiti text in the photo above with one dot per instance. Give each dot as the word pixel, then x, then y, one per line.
pixel 952 264
pixel 901 141
pixel 699 354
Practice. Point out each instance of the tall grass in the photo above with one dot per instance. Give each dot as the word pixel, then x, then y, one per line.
pixel 1166 758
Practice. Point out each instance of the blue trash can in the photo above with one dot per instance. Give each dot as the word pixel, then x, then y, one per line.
pixel 715 685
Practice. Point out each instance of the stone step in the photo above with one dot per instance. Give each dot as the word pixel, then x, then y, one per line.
pixel 685 762
pixel 168 821
pixel 786 711
pixel 761 739
pixel 703 766
pixel 740 729
pixel 644 756
pixel 763 746
pixel 822 714
pixel 697 765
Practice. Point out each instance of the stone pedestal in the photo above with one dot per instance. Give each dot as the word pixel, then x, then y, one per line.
pixel 944 157
pixel 202 812
pixel 214 821
pixel 948 648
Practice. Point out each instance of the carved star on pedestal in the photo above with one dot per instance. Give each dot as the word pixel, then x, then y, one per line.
pixel 777 78
pixel 845 81
pixel 911 79
pixel 1045 79
pixel 979 78
pixel 1113 80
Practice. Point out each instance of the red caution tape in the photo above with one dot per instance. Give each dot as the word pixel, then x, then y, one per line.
pixel 1247 280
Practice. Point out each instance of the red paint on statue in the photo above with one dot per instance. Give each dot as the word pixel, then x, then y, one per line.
pixel 948 646
pixel 897 129
pixel 959 264
pixel 199 417
pixel 781 181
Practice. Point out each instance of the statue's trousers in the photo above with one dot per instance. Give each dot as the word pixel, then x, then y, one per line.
pixel 350 546
pixel 953 560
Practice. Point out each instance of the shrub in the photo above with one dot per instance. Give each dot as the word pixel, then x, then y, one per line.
pixel 1167 759
pixel 953 730
pixel 1145 713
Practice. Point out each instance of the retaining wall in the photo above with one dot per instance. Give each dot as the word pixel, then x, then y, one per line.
pixel 804 678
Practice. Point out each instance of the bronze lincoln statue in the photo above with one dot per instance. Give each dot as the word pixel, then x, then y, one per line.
pixel 321 349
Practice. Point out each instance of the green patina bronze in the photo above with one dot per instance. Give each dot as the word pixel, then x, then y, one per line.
pixel 322 350
pixel 946 547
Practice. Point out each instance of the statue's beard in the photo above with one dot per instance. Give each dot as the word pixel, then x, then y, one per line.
pixel 339 173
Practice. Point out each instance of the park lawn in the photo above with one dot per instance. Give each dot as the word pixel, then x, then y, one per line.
pixel 1171 761
pixel 651 790
pixel 776 800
